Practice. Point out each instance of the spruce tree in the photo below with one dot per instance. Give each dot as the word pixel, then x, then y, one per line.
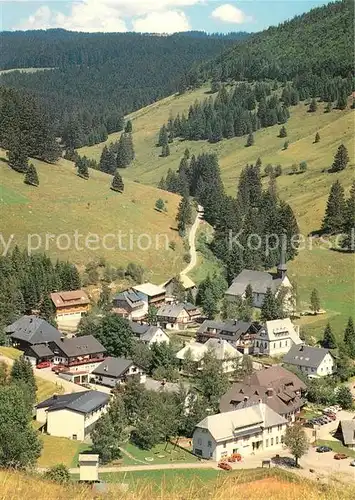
pixel 334 217
pixel 82 168
pixel 283 132
pixel 270 308
pixel 125 152
pixel 128 127
pixel 249 295
pixel 163 136
pixel 165 151
pixel 286 144
pixel 17 158
pixel 117 183
pixel 328 107
pixel 313 106
pixel 250 140
pixel 31 176
pixel 349 338
pixel 329 341
pixel 184 215
pixel 348 242
pixel 315 302
pixel 342 101
pixel 341 159
pixel 107 161
pixel 317 138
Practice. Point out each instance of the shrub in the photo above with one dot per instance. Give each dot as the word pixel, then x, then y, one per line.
pixel 58 473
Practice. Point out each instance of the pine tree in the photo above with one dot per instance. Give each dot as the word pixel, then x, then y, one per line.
pixel 125 152
pixel 328 107
pixel 184 215
pixel 159 205
pixel 329 341
pixel 107 161
pixel 334 217
pixel 128 127
pixel 348 242
pixel 283 132
pixel 31 176
pixel 317 138
pixel 342 101
pixel 341 159
pixel 270 308
pixel 349 338
pixel 278 170
pixel 313 106
pixel 250 140
pixel 315 302
pixel 117 182
pixel 163 136
pixel 249 295
pixel 165 151
pixel 17 158
pixel 82 168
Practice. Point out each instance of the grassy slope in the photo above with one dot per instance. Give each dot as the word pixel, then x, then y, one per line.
pixel 64 203
pixel 307 193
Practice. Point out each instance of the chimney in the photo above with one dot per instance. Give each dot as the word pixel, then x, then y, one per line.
pixel 246 399
pixel 55 396
pixel 269 392
pixel 62 339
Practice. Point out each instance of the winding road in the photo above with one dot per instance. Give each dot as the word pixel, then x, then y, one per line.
pixel 192 243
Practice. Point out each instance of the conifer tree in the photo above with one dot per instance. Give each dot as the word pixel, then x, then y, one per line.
pixel 163 136
pixel 165 150
pixel 286 144
pixel 31 176
pixel 125 152
pixel 128 127
pixel 278 170
pixel 184 215
pixel 107 161
pixel 335 212
pixel 329 341
pixel 250 140
pixel 82 168
pixel 349 338
pixel 341 159
pixel 17 158
pixel 187 154
pixel 283 132
pixel 317 138
pixel 313 106
pixel 315 302
pixel 270 308
pixel 328 107
pixel 348 242
pixel 342 99
pixel 249 295
pixel 117 183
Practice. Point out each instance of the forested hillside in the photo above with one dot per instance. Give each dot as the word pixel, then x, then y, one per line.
pixel 98 77
pixel 319 42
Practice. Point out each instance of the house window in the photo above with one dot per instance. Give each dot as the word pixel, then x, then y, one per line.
pixel 272 441
pixel 269 430
pixel 279 427
pixel 286 343
pixel 265 345
pixel 199 441
pixel 224 445
pixel 280 344
pixel 274 345
pixel 282 439
pixel 266 443
pixel 277 439
pixel 209 444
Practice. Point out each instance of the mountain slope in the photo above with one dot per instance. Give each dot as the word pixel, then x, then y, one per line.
pixel 64 203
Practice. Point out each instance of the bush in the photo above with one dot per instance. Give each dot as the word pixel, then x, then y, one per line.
pixel 286 144
pixel 58 473
pixel 187 258
pixel 303 166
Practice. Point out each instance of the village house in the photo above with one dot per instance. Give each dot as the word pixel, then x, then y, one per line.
pixel 313 361
pixel 260 281
pixel 72 415
pixel 29 331
pixel 346 433
pixel 277 337
pixel 240 334
pixel 177 316
pixel 279 388
pixel 223 350
pixel 186 282
pixel 248 430
pixel 116 371
pixel 150 294
pixel 129 304
pixel 69 307
pixel 149 334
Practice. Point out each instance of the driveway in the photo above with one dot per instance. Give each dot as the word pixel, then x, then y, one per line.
pixel 192 245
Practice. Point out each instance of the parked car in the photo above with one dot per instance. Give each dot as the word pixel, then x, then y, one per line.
pixel 43 364
pixel 58 368
pixel 331 415
pixel 224 466
pixel 323 449
pixel 340 456
pixel 352 463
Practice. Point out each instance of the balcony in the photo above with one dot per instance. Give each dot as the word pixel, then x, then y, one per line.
pixel 85 361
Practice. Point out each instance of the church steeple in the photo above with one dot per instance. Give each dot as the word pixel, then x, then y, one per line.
pixel 282 267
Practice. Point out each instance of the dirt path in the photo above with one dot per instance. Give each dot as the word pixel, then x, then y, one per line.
pixel 192 245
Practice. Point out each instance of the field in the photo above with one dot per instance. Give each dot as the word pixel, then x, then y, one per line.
pixel 59 450
pixel 307 193
pixel 160 454
pixel 49 215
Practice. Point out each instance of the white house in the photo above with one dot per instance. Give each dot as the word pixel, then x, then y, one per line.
pixel 248 430
pixel 277 337
pixel 72 415
pixel 114 371
pixel 222 349
pixel 313 361
pixel 149 334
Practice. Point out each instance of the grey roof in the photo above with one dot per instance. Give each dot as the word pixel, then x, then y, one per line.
pixel 259 280
pixel 130 295
pixel 171 310
pixel 234 328
pixel 348 431
pixel 33 330
pixel 40 350
pixel 223 426
pixel 158 386
pixel 113 367
pixel 145 332
pixel 80 346
pixel 305 355
pixel 81 402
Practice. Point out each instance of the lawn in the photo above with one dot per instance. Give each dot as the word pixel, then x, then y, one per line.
pixel 10 352
pixel 8 196
pixel 157 455
pixel 46 389
pixel 336 446
pixel 207 264
pixel 58 450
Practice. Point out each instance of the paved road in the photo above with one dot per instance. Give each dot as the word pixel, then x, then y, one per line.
pixel 192 245
pixel 47 374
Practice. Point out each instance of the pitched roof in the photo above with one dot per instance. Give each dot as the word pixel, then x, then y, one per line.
pixel 129 296
pixel 171 310
pixel 40 350
pixel 281 328
pixel 81 402
pixel 185 280
pixel 80 346
pixel 274 376
pixel 228 425
pixel 259 280
pixel 348 430
pixel 33 330
pixel 305 355
pixel 149 289
pixel 226 329
pixel 113 367
pixel 222 349
pixel 145 332
pixel 70 298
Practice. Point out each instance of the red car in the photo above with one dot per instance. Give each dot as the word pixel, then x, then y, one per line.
pixel 58 368
pixel 43 364
pixel 340 456
pixel 224 466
